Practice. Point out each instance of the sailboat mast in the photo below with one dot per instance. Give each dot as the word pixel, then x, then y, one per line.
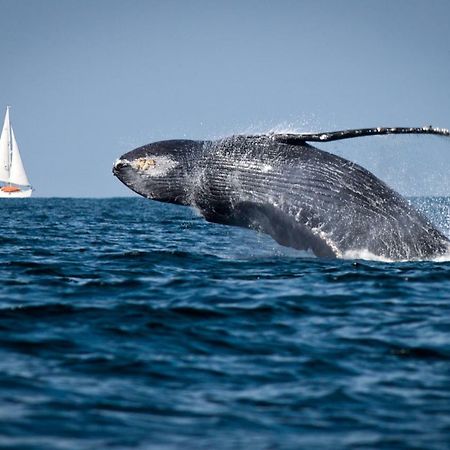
pixel 6 149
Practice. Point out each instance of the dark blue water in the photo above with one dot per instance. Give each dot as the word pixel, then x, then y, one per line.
pixel 130 324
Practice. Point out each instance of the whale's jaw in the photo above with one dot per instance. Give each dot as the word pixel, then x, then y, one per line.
pixel 159 171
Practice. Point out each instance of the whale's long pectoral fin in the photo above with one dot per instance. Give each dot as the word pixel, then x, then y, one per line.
pixel 270 220
pixel 301 138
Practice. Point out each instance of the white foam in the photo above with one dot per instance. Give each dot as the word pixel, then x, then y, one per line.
pixel 443 258
pixel 369 256
pixel 365 254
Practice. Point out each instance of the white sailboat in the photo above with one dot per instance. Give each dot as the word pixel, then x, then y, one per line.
pixel 13 178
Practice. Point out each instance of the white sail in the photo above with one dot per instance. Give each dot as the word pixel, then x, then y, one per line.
pixel 5 146
pixel 17 173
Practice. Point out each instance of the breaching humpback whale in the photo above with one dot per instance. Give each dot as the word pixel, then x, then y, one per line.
pixel 281 185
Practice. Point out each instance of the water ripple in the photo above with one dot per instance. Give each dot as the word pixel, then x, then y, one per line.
pixel 129 324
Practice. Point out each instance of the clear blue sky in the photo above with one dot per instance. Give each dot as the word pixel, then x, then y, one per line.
pixel 91 79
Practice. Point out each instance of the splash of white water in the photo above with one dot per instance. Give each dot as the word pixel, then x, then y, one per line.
pixel 369 256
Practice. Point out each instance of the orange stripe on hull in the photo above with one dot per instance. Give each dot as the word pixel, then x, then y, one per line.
pixel 10 189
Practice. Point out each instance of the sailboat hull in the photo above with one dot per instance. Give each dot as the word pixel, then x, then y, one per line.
pixel 18 194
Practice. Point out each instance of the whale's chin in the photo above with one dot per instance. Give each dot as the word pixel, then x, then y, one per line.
pixel 123 171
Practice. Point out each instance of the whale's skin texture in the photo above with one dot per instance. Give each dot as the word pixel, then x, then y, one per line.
pixel 303 197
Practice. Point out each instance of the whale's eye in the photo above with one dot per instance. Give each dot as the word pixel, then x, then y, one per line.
pixel 144 163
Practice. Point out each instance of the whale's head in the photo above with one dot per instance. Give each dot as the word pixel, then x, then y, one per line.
pixel 160 171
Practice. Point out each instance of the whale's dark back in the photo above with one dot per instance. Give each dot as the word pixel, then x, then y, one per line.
pixel 310 199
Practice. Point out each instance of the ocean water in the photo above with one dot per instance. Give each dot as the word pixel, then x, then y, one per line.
pixel 125 323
